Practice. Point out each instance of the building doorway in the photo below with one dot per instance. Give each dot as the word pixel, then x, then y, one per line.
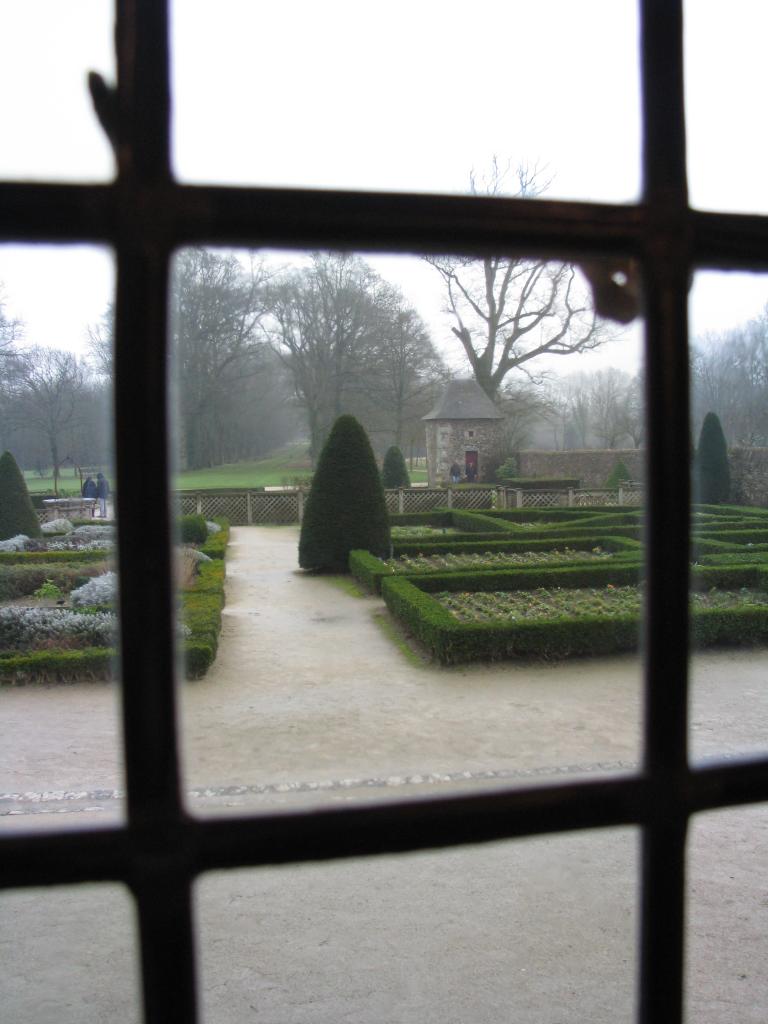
pixel 470 466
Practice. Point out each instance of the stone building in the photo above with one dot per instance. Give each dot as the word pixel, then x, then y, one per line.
pixel 465 429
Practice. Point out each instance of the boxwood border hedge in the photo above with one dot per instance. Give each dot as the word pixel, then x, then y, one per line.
pixel 453 642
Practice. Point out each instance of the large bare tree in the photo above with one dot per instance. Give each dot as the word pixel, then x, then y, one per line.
pixel 508 311
pixel 217 307
pixel 46 395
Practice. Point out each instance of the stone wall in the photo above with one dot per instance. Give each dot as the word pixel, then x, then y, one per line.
pixel 591 467
pixel 449 440
pixel 749 469
pixel 749 476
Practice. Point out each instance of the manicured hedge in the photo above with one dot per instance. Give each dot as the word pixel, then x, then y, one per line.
pixel 58 557
pixel 201 607
pixel 428 546
pixel 369 570
pixel 192 529
pixel 451 641
pixel 57 666
pixel 477 522
pixel 216 544
pixel 19 580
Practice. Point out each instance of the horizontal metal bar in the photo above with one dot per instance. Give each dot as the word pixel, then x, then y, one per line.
pixel 194 845
pixel 382 222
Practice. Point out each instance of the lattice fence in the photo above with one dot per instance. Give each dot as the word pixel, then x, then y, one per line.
pixel 422 499
pixel 480 498
pixel 536 499
pixel 276 506
pixel 583 498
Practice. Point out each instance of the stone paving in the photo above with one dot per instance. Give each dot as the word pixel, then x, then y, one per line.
pixel 311 703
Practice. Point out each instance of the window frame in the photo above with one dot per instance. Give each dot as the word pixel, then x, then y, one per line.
pixel 144 215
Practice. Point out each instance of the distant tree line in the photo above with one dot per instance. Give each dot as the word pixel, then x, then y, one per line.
pixel 261 354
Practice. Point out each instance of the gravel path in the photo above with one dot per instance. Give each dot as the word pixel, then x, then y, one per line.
pixel 311 702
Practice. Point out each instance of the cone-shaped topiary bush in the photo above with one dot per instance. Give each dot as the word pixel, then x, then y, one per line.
pixel 618 474
pixel 394 472
pixel 345 508
pixel 16 512
pixel 711 474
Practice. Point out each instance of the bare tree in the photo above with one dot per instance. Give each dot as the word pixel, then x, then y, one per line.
pixel 11 330
pixel 403 364
pixel 730 377
pixel 608 399
pixel 524 406
pixel 46 394
pixel 217 309
pixel 509 311
pixel 325 322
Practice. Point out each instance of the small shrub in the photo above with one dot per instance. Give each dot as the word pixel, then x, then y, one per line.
pixel 57 526
pixel 48 591
pixel 100 590
pixel 193 529
pixel 17 543
pixel 618 475
pixel 36 628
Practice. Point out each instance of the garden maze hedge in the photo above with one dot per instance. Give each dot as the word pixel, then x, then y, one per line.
pixel 562 556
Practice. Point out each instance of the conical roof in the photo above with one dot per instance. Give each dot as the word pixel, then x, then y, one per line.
pixel 464 399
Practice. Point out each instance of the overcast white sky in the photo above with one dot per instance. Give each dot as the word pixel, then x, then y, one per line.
pixel 405 96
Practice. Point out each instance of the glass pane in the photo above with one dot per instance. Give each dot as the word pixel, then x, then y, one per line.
pixel 726 79
pixel 729 432
pixel 411 97
pixel 50 131
pixel 57 551
pixel 69 955
pixel 321 685
pixel 539 930
pixel 726 942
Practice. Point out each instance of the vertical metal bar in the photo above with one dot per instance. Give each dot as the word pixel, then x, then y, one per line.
pixel 668 453
pixel 144 90
pixel 661 56
pixel 166 931
pixel 666 638
pixel 146 588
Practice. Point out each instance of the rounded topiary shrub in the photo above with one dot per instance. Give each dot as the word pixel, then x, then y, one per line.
pixel 193 529
pixel 394 472
pixel 345 509
pixel 16 512
pixel 711 473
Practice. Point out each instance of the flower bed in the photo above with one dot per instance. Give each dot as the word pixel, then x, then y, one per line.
pixel 543 603
pixel 408 564
pixel 56 643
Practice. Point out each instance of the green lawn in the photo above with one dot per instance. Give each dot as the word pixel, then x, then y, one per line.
pixel 281 468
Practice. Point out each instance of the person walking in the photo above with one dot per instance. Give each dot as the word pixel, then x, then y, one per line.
pixel 102 492
pixel 89 491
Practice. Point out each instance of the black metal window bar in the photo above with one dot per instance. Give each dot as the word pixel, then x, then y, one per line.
pixel 144 215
